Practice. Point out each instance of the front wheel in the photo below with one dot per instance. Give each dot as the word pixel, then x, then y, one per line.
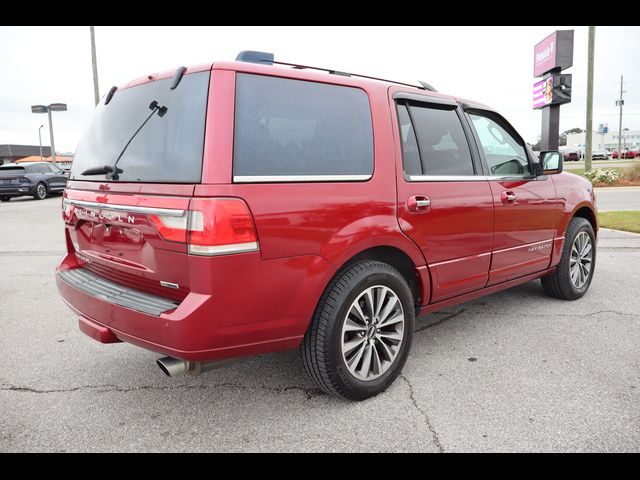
pixel 4 198
pixel 574 273
pixel 361 332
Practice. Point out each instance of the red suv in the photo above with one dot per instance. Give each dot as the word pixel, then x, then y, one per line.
pixel 245 207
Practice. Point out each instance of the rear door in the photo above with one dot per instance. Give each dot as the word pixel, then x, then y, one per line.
pixel 57 179
pixel 444 202
pixel 526 210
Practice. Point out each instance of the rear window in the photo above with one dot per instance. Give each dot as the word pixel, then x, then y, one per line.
pixel 167 149
pixel 297 128
pixel 11 170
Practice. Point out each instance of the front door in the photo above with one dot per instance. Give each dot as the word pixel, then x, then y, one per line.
pixel 444 202
pixel 526 212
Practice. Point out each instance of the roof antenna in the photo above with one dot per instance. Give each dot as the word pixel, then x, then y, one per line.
pixel 177 77
pixel 427 86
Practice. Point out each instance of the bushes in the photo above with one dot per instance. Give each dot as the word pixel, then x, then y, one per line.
pixel 603 175
pixel 632 172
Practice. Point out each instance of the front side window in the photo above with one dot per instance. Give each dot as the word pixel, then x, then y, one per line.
pixel 505 154
pixel 287 127
pixel 443 145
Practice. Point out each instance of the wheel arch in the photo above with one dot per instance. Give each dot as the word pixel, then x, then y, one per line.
pixel 587 213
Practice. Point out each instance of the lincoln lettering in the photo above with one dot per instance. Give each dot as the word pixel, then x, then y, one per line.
pixel 111 216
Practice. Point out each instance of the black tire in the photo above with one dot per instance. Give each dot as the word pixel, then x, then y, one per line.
pixel 321 348
pixel 4 198
pixel 560 284
pixel 41 191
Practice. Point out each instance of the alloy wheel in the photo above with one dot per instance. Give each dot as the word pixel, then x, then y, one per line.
pixel 372 333
pixel 581 259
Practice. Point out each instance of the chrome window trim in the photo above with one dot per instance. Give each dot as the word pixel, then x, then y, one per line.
pixel 167 212
pixel 469 178
pixel 299 178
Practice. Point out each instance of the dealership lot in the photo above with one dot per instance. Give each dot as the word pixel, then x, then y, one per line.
pixel 509 372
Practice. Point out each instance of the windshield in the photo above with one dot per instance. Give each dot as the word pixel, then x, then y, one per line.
pixel 167 148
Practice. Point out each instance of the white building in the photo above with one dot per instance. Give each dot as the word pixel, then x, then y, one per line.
pixel 630 140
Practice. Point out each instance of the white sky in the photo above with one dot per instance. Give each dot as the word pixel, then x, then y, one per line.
pixel 492 65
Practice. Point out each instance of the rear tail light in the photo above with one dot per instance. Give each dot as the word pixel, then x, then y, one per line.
pixel 67 211
pixel 216 226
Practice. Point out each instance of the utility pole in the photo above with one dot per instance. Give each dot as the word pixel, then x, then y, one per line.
pixel 94 62
pixel 620 102
pixel 589 132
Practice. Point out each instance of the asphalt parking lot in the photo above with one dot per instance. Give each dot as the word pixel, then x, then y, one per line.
pixel 514 371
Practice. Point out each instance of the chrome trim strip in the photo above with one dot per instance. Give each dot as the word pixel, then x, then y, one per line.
pixel 469 178
pixel 298 178
pixel 526 245
pixel 447 178
pixel 169 284
pixel 167 212
pixel 223 249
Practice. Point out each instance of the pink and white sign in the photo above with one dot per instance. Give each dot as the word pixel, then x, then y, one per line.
pixel 543 92
pixel 544 55
pixel 555 51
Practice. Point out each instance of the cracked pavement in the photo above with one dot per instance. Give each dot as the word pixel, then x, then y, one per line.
pixel 515 371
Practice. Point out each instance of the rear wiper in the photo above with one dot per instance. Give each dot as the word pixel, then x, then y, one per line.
pixel 113 171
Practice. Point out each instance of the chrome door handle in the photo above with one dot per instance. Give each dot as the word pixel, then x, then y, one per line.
pixel 508 197
pixel 418 203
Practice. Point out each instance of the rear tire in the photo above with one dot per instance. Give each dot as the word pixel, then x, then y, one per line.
pixel 41 191
pixel 574 273
pixel 4 198
pixel 361 332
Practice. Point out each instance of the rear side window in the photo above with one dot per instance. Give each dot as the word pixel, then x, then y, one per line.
pixel 410 152
pixel 441 139
pixel 292 128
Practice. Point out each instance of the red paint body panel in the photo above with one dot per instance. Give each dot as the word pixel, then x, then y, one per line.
pixel 261 301
pixel 524 228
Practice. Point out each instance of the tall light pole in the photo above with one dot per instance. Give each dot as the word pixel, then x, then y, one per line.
pixel 94 63
pixel 40 139
pixel 589 140
pixel 620 103
pixel 53 107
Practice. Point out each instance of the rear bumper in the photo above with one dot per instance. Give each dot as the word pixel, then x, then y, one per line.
pixel 17 190
pixel 229 321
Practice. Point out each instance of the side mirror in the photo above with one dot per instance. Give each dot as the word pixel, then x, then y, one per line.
pixel 551 162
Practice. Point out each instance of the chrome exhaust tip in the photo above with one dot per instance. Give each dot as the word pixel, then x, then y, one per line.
pixel 173 367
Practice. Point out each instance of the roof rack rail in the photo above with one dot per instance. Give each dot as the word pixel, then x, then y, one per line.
pixel 268 58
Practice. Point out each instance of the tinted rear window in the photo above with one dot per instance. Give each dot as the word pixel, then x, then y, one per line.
pixel 443 144
pixel 167 149
pixel 11 170
pixel 292 127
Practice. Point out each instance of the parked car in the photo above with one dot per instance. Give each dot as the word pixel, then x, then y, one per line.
pixel 37 179
pixel 256 208
pixel 625 154
pixel 600 154
pixel 570 156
